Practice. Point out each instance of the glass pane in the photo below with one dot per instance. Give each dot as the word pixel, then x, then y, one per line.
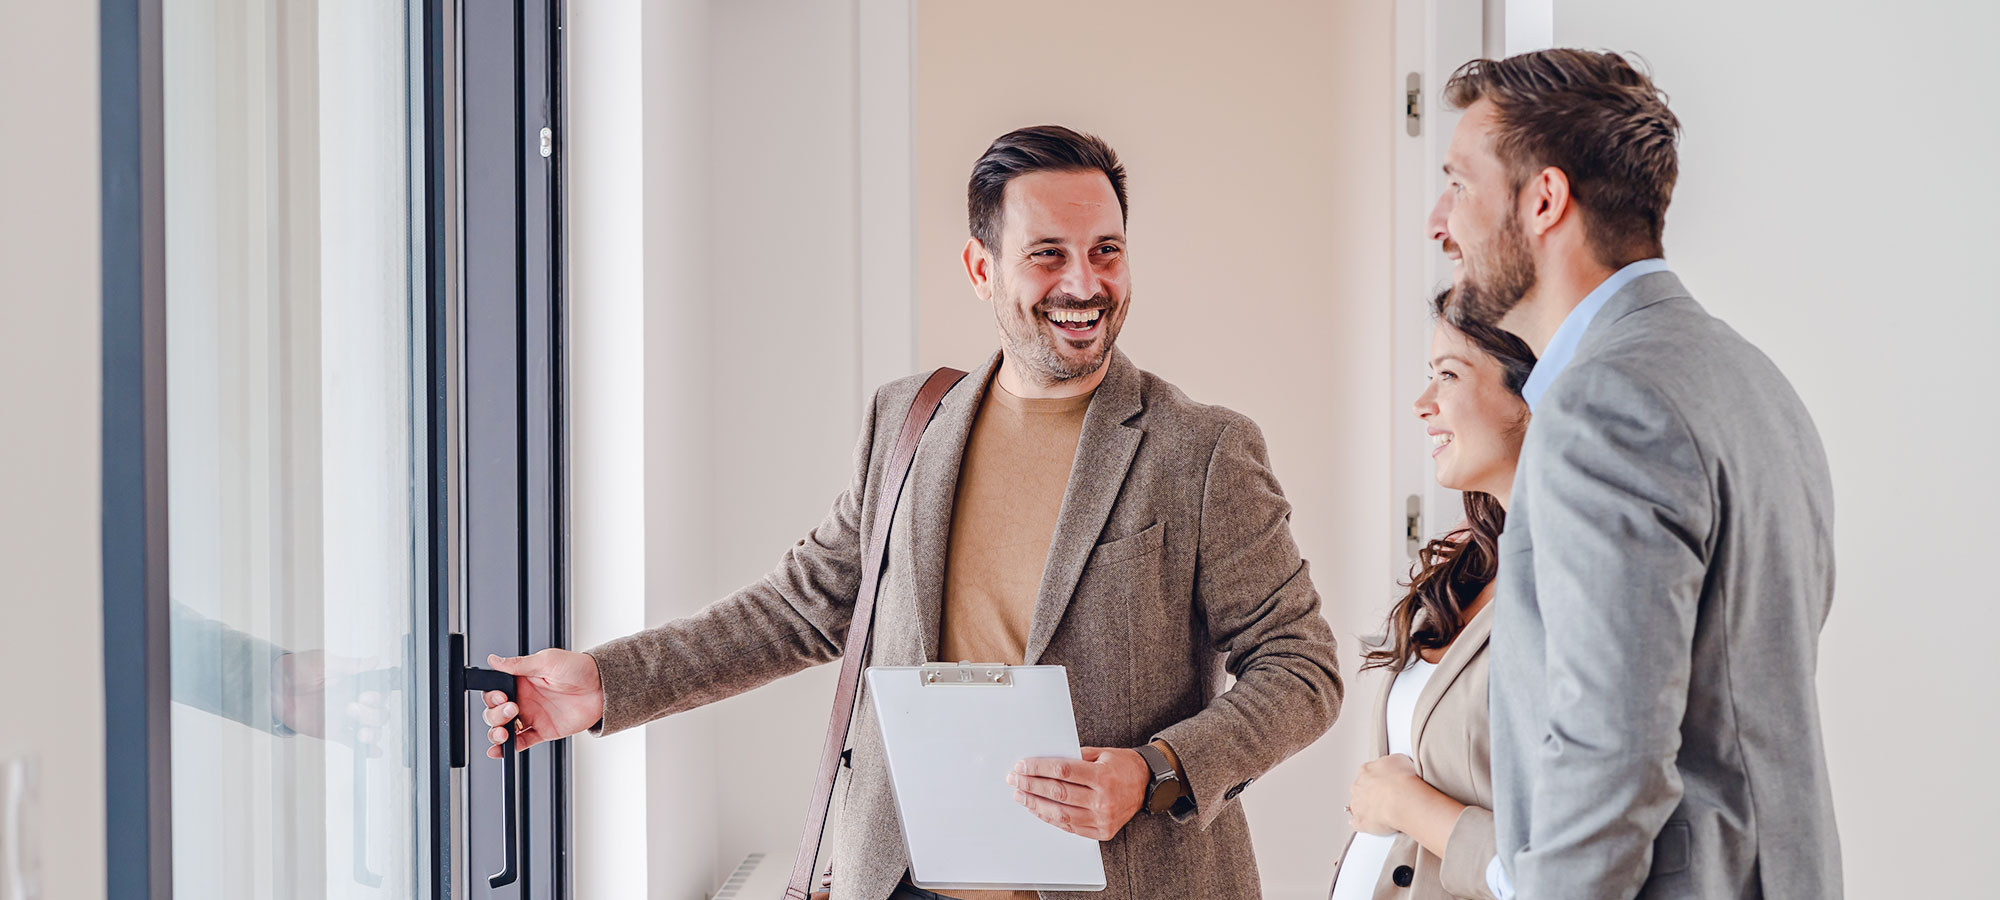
pixel 294 469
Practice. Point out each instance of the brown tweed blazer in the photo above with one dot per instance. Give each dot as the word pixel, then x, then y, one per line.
pixel 1172 564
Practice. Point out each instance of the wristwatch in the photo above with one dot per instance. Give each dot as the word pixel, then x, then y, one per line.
pixel 1166 793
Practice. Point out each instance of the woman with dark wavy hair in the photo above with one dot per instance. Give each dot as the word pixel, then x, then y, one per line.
pixel 1422 812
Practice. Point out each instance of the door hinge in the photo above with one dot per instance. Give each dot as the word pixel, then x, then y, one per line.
pixel 548 142
pixel 1413 525
pixel 1413 104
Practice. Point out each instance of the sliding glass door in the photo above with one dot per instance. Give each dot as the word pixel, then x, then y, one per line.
pixel 343 384
pixel 294 481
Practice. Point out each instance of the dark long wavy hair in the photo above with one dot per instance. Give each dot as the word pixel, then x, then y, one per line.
pixel 1450 571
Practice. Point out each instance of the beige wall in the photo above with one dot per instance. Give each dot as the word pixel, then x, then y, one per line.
pixel 1836 205
pixel 50 622
pixel 1258 146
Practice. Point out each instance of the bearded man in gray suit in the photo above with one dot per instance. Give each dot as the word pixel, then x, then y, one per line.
pixel 1064 507
pixel 1667 563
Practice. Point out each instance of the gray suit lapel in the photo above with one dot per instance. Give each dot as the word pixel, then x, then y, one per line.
pixel 923 538
pixel 1104 452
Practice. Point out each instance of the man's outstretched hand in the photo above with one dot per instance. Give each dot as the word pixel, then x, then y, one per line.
pixel 560 696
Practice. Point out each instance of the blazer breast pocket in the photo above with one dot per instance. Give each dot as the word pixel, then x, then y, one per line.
pixel 1130 547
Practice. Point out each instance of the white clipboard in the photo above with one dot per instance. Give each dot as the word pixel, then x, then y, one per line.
pixel 952 733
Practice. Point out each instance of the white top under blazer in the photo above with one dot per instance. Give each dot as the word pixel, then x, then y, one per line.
pixel 1361 869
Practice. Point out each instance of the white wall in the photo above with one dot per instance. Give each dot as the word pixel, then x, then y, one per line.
pixel 50 600
pixel 720 252
pixel 1258 146
pixel 1836 206
pixel 604 151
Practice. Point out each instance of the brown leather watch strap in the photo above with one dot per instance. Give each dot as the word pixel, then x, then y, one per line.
pixel 860 627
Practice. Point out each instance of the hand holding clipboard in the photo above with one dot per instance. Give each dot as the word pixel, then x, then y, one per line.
pixel 953 734
pixel 1093 797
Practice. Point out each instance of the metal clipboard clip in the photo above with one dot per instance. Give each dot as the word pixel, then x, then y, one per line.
pixel 965 674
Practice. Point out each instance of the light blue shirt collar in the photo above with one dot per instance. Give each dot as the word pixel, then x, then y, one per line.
pixel 1562 347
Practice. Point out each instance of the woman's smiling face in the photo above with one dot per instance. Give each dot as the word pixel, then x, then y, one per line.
pixel 1474 421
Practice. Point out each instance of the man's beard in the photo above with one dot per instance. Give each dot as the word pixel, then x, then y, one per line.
pixel 1031 343
pixel 1491 290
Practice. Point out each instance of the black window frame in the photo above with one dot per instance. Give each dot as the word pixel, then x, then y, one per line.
pixel 527 415
pixel 510 396
pixel 138 771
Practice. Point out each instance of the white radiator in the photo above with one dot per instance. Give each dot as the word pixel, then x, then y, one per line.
pixel 758 877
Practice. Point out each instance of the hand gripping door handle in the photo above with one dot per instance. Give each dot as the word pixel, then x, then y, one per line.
pixel 470 678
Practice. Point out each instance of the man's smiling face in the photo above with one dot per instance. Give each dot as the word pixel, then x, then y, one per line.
pixel 1058 280
pixel 1478 222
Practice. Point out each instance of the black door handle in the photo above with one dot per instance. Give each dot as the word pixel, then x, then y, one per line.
pixel 471 678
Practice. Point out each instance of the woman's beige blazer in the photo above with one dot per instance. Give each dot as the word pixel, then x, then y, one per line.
pixel 1451 740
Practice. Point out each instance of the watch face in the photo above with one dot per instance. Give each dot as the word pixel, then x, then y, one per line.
pixel 1158 799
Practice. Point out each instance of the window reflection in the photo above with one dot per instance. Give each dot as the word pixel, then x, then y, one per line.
pixel 293 479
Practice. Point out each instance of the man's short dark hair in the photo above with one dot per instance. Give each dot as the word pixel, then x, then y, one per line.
pixel 1042 148
pixel 1598 119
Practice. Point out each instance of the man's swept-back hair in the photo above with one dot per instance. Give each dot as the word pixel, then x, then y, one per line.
pixel 1042 148
pixel 1598 119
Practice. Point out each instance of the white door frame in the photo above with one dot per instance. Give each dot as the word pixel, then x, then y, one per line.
pixel 886 190
pixel 1434 38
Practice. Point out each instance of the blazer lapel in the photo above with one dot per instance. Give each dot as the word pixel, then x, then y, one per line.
pixel 1380 720
pixel 923 536
pixel 1462 651
pixel 1104 453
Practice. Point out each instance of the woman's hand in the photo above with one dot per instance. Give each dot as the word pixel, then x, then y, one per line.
pixel 1389 797
pixel 1381 792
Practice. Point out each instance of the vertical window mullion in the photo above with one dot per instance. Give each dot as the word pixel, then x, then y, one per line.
pixel 513 397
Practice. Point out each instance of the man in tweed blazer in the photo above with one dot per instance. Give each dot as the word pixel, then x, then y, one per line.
pixel 1064 507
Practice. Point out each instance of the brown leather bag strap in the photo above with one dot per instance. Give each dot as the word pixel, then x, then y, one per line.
pixel 860 628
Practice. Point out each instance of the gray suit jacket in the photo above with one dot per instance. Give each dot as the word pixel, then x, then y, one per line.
pixel 1665 572
pixel 1172 564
